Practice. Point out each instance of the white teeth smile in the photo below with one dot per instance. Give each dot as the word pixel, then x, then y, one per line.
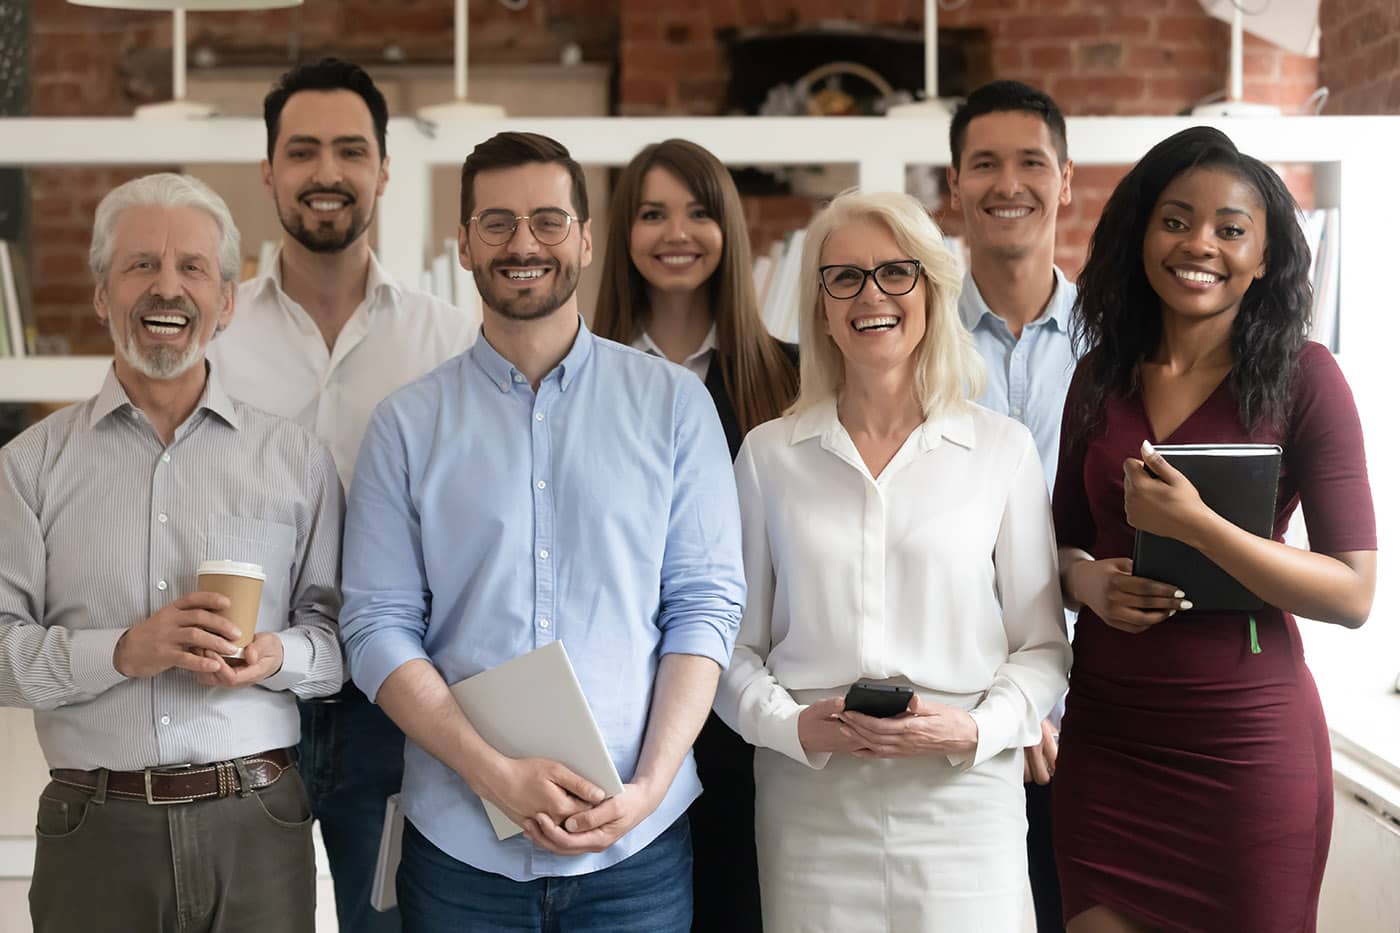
pixel 165 324
pixel 678 260
pixel 875 323
pixel 525 275
pixel 326 205
pixel 1010 213
pixel 1191 275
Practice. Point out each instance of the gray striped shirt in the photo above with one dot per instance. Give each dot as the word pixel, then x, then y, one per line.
pixel 103 525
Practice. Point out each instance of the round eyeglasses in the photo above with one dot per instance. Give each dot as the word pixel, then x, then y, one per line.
pixel 549 225
pixel 894 278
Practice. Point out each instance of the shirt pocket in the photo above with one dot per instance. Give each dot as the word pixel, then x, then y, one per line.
pixel 271 545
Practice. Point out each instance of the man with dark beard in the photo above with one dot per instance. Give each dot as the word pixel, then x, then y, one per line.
pixel 321 339
pixel 174 798
pixel 546 485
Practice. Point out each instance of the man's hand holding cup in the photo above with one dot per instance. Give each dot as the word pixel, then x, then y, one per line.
pixel 189 633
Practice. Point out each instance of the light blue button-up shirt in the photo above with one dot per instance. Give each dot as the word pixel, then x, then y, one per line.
pixel 487 519
pixel 1027 378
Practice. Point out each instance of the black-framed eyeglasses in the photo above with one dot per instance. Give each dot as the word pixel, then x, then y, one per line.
pixel 894 278
pixel 549 225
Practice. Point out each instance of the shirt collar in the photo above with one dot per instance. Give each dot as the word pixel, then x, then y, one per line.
pixel 973 307
pixel 378 279
pixel 503 373
pixel 647 345
pixel 820 421
pixel 112 397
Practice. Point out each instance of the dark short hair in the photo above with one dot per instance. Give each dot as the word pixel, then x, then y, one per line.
pixel 1004 97
pixel 509 150
pixel 329 74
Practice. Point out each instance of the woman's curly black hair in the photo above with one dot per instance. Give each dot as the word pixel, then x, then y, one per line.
pixel 1118 318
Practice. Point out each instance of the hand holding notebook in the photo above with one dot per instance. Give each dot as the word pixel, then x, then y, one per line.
pixel 1237 482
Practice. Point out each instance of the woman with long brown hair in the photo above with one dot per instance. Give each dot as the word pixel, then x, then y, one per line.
pixel 678 282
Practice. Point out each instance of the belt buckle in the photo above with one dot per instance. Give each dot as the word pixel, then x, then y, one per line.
pixel 146 773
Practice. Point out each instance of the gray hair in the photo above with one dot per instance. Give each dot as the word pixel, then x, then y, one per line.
pixel 163 189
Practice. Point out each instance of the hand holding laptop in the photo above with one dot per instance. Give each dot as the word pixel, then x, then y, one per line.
pixel 524 787
pixel 597 827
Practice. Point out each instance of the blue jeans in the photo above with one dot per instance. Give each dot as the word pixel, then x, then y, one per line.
pixel 648 892
pixel 351 758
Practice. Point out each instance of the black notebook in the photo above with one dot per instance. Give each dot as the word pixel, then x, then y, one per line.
pixel 1239 482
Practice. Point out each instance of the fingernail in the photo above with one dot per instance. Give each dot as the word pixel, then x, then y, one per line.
pixel 1179 594
pixel 1147 446
pixel 1186 604
pixel 1170 614
pixel 570 824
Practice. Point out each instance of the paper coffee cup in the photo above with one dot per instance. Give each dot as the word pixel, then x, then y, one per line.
pixel 242 583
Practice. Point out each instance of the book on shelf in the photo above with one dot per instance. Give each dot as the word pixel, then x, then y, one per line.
pixel 15 339
pixel 1239 482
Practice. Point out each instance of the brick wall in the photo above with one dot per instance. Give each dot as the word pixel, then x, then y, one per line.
pixel 95 62
pixel 1360 55
pixel 1094 56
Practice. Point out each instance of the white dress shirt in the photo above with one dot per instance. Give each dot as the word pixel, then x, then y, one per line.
pixel 942 571
pixel 697 362
pixel 273 355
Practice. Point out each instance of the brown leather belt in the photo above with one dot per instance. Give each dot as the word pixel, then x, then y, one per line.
pixel 184 783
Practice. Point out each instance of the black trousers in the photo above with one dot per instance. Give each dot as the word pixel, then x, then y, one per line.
pixel 1040 857
pixel 722 835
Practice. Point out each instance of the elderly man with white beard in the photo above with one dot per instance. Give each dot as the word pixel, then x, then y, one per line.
pixel 174 802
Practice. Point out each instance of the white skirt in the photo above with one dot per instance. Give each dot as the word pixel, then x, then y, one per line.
pixel 902 845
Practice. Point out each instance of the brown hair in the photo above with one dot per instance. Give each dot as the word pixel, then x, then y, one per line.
pixel 759 377
pixel 508 150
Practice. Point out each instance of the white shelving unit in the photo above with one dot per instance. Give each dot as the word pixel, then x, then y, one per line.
pixel 1346 152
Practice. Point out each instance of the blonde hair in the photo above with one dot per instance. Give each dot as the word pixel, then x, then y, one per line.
pixel 947 368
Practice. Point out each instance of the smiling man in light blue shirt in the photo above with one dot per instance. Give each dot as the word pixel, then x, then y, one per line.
pixel 545 485
pixel 1010 175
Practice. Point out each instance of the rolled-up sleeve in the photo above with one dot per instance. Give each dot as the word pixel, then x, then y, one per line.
pixel 385 583
pixel 702 573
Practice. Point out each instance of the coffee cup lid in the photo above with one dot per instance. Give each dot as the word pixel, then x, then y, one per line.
pixel 235 568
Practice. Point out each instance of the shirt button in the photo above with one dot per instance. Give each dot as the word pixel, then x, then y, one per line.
pixel 165 720
pixel 517 377
pixel 1015 411
pixel 539 416
pixel 544 555
pixel 162 586
pixel 165 458
pixel 505 386
pixel 162 518
pixel 544 623
pixel 540 484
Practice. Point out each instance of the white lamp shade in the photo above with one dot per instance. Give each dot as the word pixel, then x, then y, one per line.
pixel 197 6
pixel 1289 24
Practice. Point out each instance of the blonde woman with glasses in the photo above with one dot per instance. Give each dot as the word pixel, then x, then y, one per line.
pixel 896 535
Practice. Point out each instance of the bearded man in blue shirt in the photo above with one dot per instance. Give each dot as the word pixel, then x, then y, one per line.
pixel 546 484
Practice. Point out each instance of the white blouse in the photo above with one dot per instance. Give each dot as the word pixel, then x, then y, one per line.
pixel 942 571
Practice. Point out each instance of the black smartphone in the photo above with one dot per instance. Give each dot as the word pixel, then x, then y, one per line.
pixel 879 700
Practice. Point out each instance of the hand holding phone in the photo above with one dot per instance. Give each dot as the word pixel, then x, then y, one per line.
pixel 879 700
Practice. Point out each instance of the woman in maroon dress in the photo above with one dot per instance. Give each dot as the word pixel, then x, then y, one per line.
pixel 1193 789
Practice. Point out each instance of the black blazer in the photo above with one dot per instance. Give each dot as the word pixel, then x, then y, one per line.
pixel 714 381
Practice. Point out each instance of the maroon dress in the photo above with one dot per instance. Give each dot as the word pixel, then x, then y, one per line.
pixel 1193 789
